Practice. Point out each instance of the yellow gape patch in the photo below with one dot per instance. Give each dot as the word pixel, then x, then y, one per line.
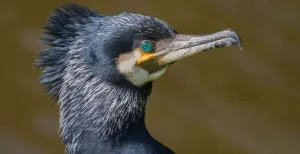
pixel 138 75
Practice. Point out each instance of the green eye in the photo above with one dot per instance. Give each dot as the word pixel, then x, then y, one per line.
pixel 146 46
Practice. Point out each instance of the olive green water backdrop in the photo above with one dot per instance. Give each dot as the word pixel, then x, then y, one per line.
pixel 220 102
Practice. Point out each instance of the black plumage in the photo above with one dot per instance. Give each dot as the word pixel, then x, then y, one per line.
pixel 66 25
pixel 96 69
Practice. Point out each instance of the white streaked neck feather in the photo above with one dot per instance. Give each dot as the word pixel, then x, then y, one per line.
pixel 89 104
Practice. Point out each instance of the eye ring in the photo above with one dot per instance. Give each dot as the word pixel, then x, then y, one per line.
pixel 146 46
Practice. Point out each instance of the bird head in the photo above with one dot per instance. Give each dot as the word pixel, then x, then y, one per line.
pixel 142 47
pixel 128 47
pixel 101 67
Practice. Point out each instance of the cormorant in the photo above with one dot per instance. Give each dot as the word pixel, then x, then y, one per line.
pixel 100 70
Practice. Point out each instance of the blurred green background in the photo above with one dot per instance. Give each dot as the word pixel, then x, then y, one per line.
pixel 220 102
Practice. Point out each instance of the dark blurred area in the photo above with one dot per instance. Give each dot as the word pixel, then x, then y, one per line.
pixel 221 102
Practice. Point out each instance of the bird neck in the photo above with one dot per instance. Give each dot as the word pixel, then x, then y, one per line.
pixel 93 111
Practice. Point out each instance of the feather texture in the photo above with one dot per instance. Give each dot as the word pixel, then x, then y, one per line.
pixel 64 26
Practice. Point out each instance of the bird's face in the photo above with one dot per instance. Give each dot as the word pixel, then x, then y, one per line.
pixel 144 47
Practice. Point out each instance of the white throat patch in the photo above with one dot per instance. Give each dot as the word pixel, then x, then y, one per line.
pixel 136 75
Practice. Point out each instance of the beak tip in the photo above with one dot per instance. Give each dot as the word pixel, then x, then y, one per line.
pixel 235 36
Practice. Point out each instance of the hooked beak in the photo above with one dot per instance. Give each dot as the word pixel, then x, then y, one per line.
pixel 182 46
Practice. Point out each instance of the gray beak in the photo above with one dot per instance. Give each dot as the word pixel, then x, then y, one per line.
pixel 183 46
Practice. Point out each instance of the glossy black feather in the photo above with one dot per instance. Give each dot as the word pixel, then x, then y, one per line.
pixel 63 27
pixel 85 44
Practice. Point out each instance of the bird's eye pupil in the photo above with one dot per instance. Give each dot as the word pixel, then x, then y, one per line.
pixel 146 46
